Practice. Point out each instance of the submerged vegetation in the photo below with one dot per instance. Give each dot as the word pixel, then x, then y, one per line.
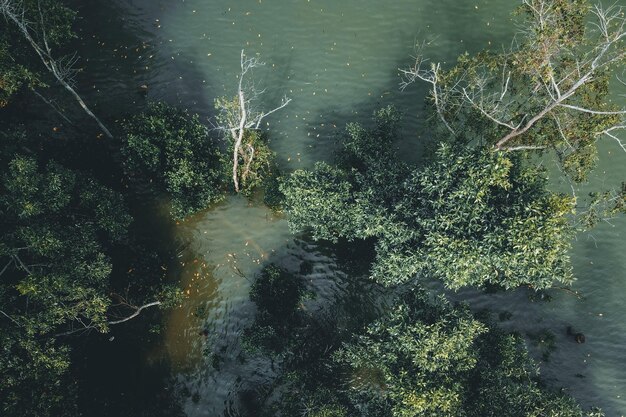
pixel 78 257
pixel 278 296
pixel 422 357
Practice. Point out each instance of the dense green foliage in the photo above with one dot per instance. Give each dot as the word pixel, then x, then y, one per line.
pixel 470 217
pixel 173 150
pixel 72 262
pixel 431 359
pixel 423 357
pixel 59 223
pixel 13 76
pixel 261 169
pixel 60 227
pixel 478 212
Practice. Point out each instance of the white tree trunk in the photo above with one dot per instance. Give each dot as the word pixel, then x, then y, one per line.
pixel 9 9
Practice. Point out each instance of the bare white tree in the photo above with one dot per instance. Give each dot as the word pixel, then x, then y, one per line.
pixel 553 93
pixel 78 325
pixel 237 117
pixel 63 69
pixel 78 322
pixel 429 73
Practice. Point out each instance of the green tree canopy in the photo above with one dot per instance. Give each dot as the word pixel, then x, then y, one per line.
pixel 429 359
pixel 470 217
pixel 172 149
pixel 59 230
pixel 278 295
pixel 423 357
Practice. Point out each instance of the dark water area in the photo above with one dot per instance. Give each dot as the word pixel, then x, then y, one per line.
pixel 338 61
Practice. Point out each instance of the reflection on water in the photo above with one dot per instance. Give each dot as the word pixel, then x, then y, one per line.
pixel 227 247
pixel 338 61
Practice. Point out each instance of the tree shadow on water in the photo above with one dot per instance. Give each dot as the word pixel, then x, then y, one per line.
pixel 303 303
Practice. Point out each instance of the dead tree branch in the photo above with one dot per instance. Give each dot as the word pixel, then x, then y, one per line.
pixel 10 318
pixel 52 105
pixel 431 76
pixel 236 120
pixel 542 77
pixel 86 327
pixel 63 69
pixel 136 313
pixel 608 50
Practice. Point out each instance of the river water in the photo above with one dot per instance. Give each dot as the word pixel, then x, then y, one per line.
pixel 337 60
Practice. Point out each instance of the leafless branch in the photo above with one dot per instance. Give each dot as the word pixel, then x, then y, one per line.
pixel 522 148
pixel 608 132
pixel 6 266
pixel 557 121
pixel 590 111
pixel 53 106
pixel 552 94
pixel 22 264
pixel 611 25
pixel 84 329
pixel 62 69
pixel 87 327
pixel 430 76
pixel 491 115
pixel 236 120
pixel 246 171
pixel 10 318
pixel 136 313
